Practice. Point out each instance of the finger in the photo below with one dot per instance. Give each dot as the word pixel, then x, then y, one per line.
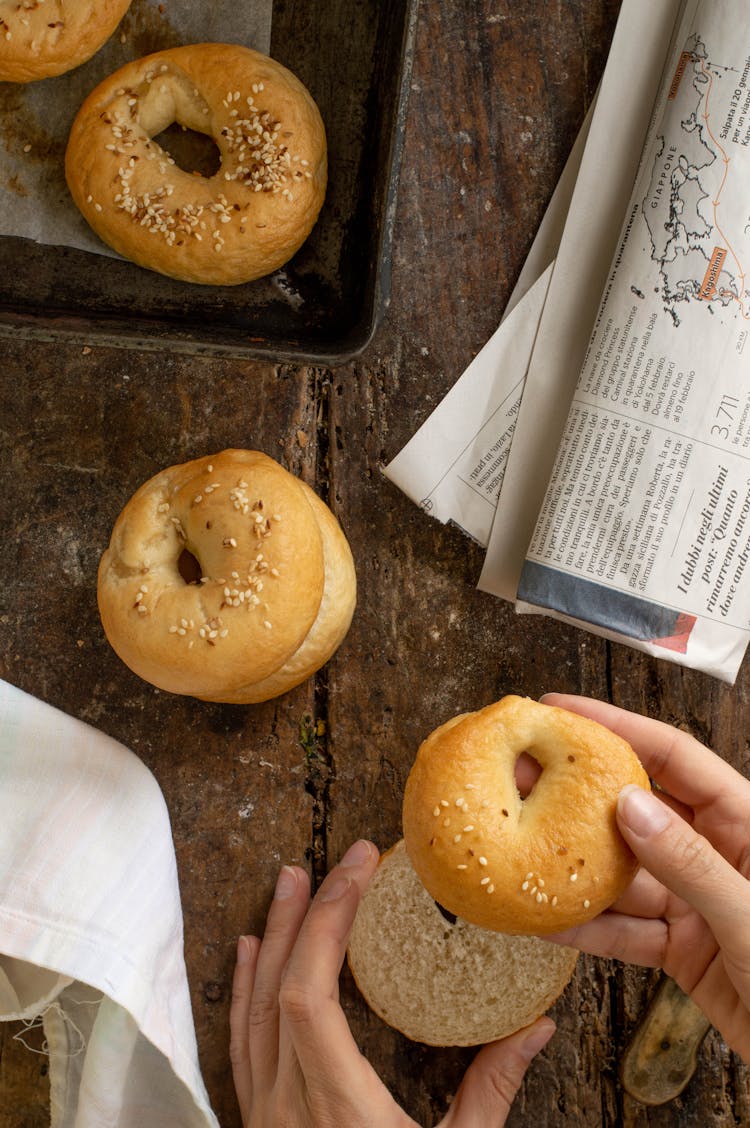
pixel 679 763
pixel 239 1021
pixel 688 865
pixel 290 902
pixel 645 897
pixel 617 936
pixel 527 772
pixel 494 1077
pixel 315 1023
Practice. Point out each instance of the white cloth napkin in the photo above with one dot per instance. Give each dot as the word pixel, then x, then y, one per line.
pixel 91 924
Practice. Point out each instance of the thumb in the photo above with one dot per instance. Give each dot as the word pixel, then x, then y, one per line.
pixel 494 1077
pixel 686 863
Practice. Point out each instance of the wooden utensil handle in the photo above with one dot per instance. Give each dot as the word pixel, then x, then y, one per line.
pixel 662 1055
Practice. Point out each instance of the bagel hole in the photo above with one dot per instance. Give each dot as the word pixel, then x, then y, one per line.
pixel 449 916
pixel 189 567
pixel 527 772
pixel 193 152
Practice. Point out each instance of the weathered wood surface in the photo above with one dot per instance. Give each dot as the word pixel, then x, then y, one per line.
pixel 499 91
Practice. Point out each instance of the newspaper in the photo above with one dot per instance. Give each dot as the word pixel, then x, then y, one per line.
pixel 602 535
pixel 455 464
pixel 644 530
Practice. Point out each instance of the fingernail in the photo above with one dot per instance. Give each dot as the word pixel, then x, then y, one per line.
pixel 336 890
pixel 641 812
pixel 537 1038
pixel 357 854
pixel 243 951
pixel 286 884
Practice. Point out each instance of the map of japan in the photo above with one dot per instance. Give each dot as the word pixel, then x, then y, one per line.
pixel 697 259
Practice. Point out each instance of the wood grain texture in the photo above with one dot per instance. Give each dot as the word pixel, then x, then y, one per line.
pixel 499 91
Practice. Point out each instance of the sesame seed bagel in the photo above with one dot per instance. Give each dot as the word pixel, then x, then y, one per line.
pixel 443 982
pixel 226 578
pixel 42 38
pixel 246 220
pixel 536 865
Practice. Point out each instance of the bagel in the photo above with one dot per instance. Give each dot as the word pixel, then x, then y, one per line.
pixel 40 39
pixel 443 982
pixel 246 220
pixel 226 578
pixel 536 865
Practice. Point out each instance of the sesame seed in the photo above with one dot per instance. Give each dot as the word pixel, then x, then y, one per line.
pixel 460 801
pixel 539 898
pixel 574 877
pixel 490 888
pixel 587 904
pixel 482 861
pixel 529 876
pixel 462 866
pixel 436 812
pixel 525 886
pixel 484 881
pixel 267 625
pixel 446 822
pixel 553 902
pixel 444 803
pixel 468 828
pixel 456 837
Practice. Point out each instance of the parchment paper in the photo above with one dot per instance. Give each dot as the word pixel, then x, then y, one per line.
pixel 35 118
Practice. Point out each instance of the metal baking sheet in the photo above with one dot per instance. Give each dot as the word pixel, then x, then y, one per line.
pixel 325 304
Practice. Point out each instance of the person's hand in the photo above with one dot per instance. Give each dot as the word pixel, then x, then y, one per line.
pixel 294 1059
pixel 688 909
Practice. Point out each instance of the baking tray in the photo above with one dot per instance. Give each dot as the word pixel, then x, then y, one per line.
pixel 324 305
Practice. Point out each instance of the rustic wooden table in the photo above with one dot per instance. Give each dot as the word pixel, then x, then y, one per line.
pixel 499 90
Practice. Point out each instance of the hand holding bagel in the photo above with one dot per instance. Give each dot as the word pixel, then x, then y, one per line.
pixel 294 1059
pixel 688 909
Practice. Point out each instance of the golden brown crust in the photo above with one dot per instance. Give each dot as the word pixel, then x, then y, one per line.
pixel 39 38
pixel 332 621
pixel 536 865
pixel 243 222
pixel 265 565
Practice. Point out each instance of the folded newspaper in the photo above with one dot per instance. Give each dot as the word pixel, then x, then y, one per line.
pixel 599 445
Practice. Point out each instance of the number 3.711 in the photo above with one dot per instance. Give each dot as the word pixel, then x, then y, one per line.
pixel 726 410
